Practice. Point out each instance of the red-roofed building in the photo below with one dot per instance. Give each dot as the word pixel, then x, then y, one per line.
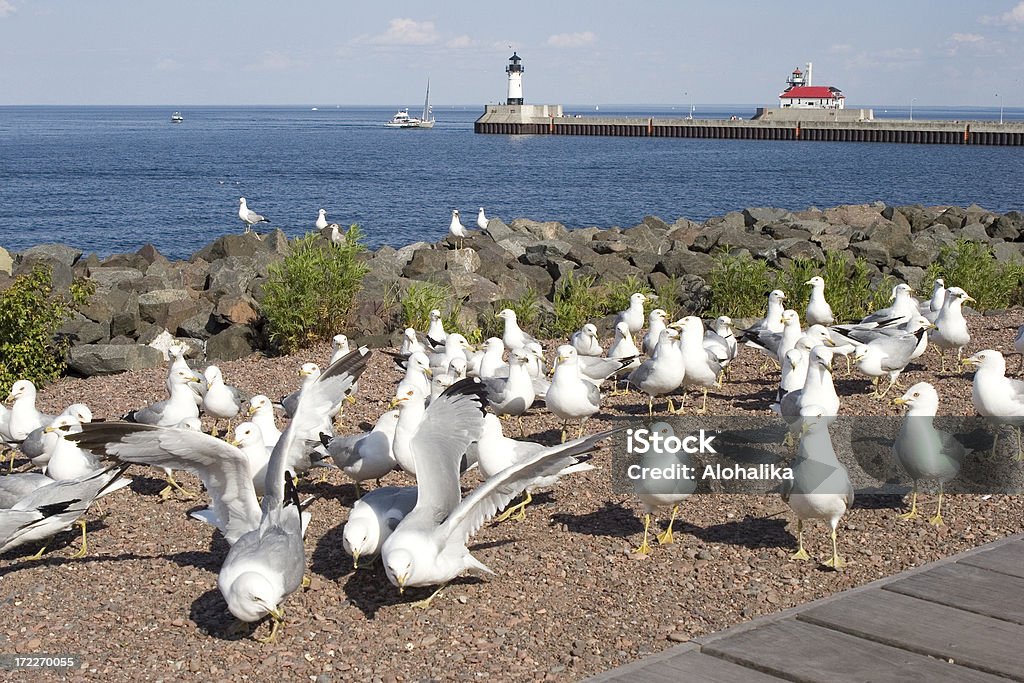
pixel 800 94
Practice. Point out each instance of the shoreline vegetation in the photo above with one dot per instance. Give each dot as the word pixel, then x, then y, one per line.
pixel 242 294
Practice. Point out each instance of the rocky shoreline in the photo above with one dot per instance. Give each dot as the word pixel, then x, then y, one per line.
pixel 212 300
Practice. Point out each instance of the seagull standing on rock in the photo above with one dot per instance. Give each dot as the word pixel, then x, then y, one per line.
pixel 321 219
pixel 481 219
pixel 457 230
pixel 248 216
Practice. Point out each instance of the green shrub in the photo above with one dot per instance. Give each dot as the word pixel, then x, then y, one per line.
pixel 527 310
pixel 668 298
pixel 616 294
pixel 973 267
pixel 576 303
pixel 30 315
pixel 739 284
pixel 308 294
pixel 420 298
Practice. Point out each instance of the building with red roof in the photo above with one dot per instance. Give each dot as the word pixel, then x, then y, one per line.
pixel 801 94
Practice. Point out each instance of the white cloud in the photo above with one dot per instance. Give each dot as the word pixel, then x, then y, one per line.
pixel 966 38
pixel 572 39
pixel 1014 18
pixel 460 42
pixel 404 32
pixel 6 8
pixel 275 61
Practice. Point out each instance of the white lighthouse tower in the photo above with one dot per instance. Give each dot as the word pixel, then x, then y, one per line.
pixel 515 79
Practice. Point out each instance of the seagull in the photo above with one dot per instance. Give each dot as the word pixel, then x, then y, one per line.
pixel 492 360
pixel 54 507
pixel 938 295
pixel 585 341
pixel 634 313
pixel 435 333
pixel 339 347
pixel 411 343
pixel 772 321
pixel 818 392
pixel 775 344
pixel 887 357
pixel 23 417
pixel 248 216
pixel 373 518
pixel 368 455
pixel 496 452
pixel 455 347
pixel 33 447
pixel 624 348
pixel 570 397
pixel 818 310
pixel 701 367
pixel 220 401
pixel 995 395
pixel 903 307
pixel 169 413
pixel 721 340
pixel 417 375
pixel 65 460
pixel 481 219
pixel 429 546
pixel 656 321
pixel 513 335
pixel 925 453
pixel 950 325
pixel 321 219
pixel 662 373
pixel 512 395
pixel 820 487
pixel 457 230
pixel 658 493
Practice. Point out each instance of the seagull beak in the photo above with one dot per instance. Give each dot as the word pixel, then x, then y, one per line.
pixel 970 298
pixel 401 583
pixel 428 372
pixel 808 283
pixel 276 613
pixel 250 412
pixel 234 442
pixel 900 401
pixel 49 430
pixel 355 559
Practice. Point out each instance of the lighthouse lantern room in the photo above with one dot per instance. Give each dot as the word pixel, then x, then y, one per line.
pixel 515 79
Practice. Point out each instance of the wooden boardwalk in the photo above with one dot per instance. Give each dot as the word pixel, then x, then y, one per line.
pixel 958 619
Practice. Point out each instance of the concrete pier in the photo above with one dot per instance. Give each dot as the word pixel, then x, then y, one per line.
pixel 498 120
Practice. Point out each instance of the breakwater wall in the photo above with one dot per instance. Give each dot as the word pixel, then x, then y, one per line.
pixel 916 132
pixel 211 301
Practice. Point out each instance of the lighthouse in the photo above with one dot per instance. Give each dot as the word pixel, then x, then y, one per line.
pixel 515 79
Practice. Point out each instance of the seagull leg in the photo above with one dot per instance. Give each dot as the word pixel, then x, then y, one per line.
pixel 522 428
pixel 172 485
pixel 650 406
pixel 704 406
pixel 937 519
pixel 1020 451
pixel 425 603
pixel 565 426
pixel 38 555
pixel 800 554
pixel 509 511
pixel 995 440
pixel 912 513
pixel 942 359
pixel 10 463
pixel 665 537
pixel 306 581
pixel 644 547
pixel 81 551
pixel 892 382
pixel 835 562
pixel 277 619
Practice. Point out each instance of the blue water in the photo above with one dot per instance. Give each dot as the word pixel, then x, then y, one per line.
pixel 110 179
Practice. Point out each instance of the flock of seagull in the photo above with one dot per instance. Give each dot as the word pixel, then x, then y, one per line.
pixel 445 418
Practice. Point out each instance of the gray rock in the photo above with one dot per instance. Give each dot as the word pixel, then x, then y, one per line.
pixel 860 216
pixel 236 309
pixel 241 245
pixel 81 330
pixel 538 254
pixel 679 262
pixel 953 217
pixel 832 242
pixel 498 230
pixel 894 237
pixel 975 232
pixel 609 246
pixel 106 359
pixel 200 326
pixel 1003 228
pixel 132 261
pixel 57 253
pixel 105 303
pixel 1008 251
pixel 871 251
pixel 111 277
pixel 537 278
pixel 167 307
pixel 610 268
pixel 912 275
pixel 923 251
pixel 425 261
pixel 549 230
pixel 798 248
pixel 646 238
pixel 764 216
pixel 233 343
pixel 230 276
pixel 465 260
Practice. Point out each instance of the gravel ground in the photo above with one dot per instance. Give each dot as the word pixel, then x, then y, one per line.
pixel 569 599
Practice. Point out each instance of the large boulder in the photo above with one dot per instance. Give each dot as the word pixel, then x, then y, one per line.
pixel 678 262
pixel 230 276
pixel 6 262
pixel 56 253
pixel 81 330
pixel 112 277
pixel 107 359
pixel 237 341
pixel 549 230
pixel 424 261
pixel 167 307
pixel 244 245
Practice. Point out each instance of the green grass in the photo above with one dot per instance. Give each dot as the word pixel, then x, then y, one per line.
pixel 422 297
pixel 576 302
pixel 973 267
pixel 527 310
pixel 308 294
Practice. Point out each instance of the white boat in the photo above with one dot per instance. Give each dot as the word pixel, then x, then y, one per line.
pixel 403 120
pixel 176 117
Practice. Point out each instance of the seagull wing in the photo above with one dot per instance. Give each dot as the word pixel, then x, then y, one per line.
pixel 496 492
pixel 223 469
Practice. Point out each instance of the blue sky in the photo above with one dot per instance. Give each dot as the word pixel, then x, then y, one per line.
pixel 186 52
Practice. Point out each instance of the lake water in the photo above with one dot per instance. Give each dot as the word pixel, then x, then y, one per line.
pixel 110 179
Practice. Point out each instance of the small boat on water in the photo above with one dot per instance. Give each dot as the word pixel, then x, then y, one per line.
pixel 176 117
pixel 403 120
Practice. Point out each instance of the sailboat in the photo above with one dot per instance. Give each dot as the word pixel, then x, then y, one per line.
pixel 403 120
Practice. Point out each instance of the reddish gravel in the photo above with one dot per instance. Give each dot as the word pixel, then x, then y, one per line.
pixel 569 598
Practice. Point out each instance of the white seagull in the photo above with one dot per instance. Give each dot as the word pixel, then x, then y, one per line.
pixel 248 216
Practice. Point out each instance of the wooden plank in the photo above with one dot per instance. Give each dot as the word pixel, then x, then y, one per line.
pixel 927 628
pixel 1006 559
pixel 700 668
pixel 799 651
pixel 968 588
